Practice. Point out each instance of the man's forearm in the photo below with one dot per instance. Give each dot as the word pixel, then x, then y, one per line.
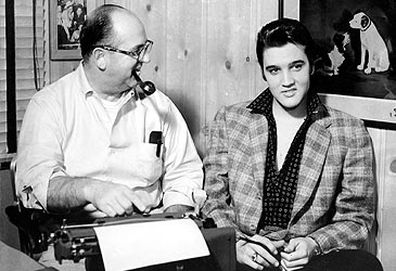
pixel 66 193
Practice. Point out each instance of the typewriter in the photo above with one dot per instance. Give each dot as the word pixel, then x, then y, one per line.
pixel 75 239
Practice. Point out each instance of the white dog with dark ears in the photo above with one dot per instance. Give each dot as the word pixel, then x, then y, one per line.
pixel 371 44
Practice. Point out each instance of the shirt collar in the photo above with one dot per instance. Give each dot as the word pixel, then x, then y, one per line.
pixel 86 87
pixel 262 104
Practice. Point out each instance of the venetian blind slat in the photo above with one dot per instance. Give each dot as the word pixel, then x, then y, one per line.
pixel 3 105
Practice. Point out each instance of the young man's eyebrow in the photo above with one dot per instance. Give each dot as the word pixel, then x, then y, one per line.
pixel 299 61
pixel 270 67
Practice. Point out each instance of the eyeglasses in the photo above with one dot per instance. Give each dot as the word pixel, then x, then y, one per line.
pixel 137 53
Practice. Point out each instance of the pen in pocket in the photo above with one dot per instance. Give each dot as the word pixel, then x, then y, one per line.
pixel 156 138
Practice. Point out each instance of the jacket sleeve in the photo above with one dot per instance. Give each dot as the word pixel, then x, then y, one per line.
pixel 354 204
pixel 218 205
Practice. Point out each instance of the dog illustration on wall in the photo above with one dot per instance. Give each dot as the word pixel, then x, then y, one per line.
pixel 371 44
pixel 336 55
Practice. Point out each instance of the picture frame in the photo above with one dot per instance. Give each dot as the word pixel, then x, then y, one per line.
pixel 65 21
pixel 366 94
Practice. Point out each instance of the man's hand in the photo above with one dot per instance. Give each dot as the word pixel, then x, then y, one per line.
pixel 258 252
pixel 112 199
pixel 98 198
pixel 298 253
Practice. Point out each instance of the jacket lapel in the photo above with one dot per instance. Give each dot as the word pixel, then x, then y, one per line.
pixel 258 133
pixel 313 159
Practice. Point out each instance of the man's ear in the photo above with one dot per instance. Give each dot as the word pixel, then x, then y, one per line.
pixel 99 58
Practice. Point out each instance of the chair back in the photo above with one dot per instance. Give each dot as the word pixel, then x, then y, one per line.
pixel 13 177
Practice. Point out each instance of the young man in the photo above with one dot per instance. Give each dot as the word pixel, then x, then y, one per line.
pixel 292 176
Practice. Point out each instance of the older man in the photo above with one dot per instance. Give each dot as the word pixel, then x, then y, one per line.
pixel 94 142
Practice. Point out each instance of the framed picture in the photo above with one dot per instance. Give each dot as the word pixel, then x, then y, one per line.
pixel 356 67
pixel 66 19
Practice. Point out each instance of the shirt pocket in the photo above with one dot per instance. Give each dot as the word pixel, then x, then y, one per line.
pixel 136 166
pixel 147 162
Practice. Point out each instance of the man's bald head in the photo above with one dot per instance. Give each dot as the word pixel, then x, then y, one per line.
pixel 103 26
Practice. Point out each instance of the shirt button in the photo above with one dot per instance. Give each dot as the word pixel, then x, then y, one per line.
pixel 259 198
pixel 252 228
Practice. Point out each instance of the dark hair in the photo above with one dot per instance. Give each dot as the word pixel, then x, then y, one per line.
pixel 281 32
pixel 97 29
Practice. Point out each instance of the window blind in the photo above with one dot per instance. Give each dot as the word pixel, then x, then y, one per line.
pixel 26 61
pixel 3 70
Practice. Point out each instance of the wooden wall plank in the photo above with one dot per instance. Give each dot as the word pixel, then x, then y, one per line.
pixel 228 49
pixel 229 62
pixel 265 12
pixel 385 151
pixel 184 51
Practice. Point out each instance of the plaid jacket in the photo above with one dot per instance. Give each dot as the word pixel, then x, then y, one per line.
pixel 334 203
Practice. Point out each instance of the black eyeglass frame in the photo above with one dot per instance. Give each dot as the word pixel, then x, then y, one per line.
pixel 137 54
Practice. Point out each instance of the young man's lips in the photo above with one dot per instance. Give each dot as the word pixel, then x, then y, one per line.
pixel 289 92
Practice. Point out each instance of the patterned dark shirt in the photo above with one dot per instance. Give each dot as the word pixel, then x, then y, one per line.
pixel 280 186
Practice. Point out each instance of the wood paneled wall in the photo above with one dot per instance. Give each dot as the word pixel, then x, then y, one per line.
pixel 384 142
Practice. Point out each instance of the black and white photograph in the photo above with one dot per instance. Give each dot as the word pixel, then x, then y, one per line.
pixel 66 20
pixel 197 135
